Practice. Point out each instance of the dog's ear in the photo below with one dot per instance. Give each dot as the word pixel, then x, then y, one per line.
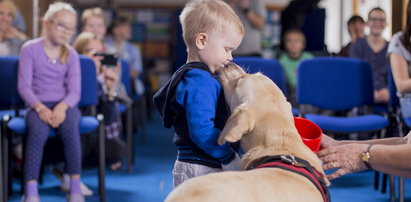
pixel 237 125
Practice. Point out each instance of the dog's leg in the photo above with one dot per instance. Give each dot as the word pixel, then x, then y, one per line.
pixel 237 125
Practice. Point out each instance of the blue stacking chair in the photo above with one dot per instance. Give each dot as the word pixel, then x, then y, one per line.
pixel 8 101
pixel 338 84
pixel 88 124
pixel 125 80
pixel 269 67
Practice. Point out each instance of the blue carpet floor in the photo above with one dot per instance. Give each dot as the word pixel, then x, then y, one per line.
pixel 151 179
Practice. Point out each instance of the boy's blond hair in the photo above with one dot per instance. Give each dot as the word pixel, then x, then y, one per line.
pixel 82 40
pixel 90 12
pixel 10 5
pixel 199 16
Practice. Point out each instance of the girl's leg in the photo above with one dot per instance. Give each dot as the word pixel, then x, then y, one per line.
pixel 38 132
pixel 70 135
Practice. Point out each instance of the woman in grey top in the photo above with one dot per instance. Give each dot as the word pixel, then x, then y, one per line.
pixel 400 59
pixel 11 38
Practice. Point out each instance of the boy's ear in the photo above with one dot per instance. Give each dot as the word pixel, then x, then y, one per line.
pixel 201 40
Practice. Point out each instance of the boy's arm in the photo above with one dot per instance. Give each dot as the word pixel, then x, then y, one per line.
pixel 198 93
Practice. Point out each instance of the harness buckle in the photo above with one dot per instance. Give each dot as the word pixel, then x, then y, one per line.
pixel 290 159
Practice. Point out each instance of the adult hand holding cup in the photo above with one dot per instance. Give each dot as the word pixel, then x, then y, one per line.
pixel 310 133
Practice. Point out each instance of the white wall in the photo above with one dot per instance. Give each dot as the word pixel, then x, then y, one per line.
pixel 339 11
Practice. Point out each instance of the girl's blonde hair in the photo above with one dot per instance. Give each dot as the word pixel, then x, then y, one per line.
pixel 199 16
pixel 96 12
pixel 53 9
pixel 81 41
pixel 10 5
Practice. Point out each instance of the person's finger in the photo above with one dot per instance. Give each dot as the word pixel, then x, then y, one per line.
pixel 49 117
pixel 329 158
pixel 340 172
pixel 325 152
pixel 331 165
pixel 322 152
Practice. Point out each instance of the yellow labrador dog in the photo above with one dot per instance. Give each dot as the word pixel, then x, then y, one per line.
pixel 262 118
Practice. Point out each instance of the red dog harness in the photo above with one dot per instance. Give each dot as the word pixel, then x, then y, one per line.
pixel 296 165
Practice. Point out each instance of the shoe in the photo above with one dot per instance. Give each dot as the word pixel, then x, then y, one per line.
pixel 30 199
pixel 75 198
pixel 65 186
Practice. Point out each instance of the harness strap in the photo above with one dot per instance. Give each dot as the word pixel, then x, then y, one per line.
pixel 296 165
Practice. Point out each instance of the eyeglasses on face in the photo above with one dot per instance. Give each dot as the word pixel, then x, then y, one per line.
pixel 381 20
pixel 62 27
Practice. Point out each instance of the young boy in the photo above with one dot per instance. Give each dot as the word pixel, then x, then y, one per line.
pixel 294 44
pixel 193 101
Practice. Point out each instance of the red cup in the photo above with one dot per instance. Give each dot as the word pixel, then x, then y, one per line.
pixel 310 133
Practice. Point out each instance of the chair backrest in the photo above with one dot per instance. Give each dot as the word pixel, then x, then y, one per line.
pixel 335 83
pixel 125 76
pixel 9 96
pixel 269 67
pixel 88 82
pixel 394 101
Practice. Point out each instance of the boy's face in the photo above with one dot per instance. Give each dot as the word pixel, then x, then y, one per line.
pixel 215 47
pixel 96 26
pixel 123 31
pixel 294 42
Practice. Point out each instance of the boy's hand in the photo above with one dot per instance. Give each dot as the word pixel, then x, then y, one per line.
pixel 234 165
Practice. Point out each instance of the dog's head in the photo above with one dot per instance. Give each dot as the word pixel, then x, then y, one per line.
pixel 250 97
pixel 261 116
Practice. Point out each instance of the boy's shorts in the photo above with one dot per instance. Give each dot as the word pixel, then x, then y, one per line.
pixel 183 171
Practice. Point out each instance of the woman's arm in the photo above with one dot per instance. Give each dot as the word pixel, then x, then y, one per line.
pixel 390 159
pixel 399 68
pixel 327 141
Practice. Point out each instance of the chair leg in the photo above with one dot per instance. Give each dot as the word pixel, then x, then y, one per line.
pixel 5 173
pixel 101 160
pixel 23 157
pixel 143 120
pixel 3 182
pixel 376 180
pixel 384 183
pixel 392 189
pixel 401 189
pixel 129 139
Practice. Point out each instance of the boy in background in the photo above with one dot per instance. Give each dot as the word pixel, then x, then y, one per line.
pixel 294 44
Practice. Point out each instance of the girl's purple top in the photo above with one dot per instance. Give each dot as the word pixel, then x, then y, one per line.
pixel 43 80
